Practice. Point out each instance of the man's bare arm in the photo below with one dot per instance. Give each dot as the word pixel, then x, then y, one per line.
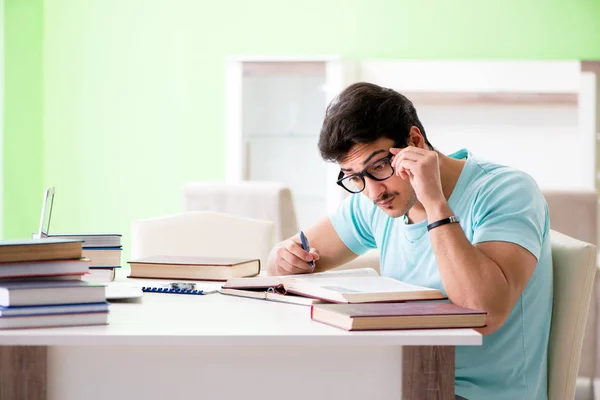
pixel 487 276
pixel 327 250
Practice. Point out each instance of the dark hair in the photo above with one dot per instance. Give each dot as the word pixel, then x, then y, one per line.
pixel 363 113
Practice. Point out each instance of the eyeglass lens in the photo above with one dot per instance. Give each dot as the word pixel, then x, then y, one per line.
pixel 380 170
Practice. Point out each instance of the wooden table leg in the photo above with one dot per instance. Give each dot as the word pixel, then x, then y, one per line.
pixel 23 372
pixel 428 373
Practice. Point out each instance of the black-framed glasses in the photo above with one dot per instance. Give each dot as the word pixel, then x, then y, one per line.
pixel 379 170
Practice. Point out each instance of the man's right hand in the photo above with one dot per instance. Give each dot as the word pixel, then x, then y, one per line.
pixel 288 258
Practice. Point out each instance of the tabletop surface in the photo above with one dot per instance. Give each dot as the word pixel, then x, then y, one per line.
pixel 217 319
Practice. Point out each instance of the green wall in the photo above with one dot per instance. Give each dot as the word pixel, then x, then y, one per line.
pixel 133 91
pixel 23 122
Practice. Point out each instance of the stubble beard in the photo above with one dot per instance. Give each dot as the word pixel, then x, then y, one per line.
pixel 402 209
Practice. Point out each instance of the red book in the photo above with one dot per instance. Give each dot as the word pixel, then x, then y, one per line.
pixel 409 315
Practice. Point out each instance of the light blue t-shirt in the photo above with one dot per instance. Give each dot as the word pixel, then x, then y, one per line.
pixel 493 203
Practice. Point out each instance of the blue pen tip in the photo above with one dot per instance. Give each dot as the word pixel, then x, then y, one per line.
pixel 306 247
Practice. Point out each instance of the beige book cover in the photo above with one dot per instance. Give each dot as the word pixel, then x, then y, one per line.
pixel 193 268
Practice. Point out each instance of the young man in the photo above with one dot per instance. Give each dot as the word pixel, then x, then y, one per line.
pixel 476 230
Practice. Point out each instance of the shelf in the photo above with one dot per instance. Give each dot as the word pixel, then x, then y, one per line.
pixel 283 68
pixel 282 136
pixel 491 98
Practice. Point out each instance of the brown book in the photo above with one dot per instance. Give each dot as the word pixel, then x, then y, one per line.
pixel 411 315
pixel 39 250
pixel 193 268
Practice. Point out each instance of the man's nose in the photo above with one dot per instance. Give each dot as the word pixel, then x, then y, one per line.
pixel 374 189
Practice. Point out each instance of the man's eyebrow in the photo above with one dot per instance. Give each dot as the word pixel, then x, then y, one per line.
pixel 365 161
pixel 371 156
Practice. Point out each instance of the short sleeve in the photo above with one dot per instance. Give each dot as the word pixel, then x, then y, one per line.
pixel 511 208
pixel 353 221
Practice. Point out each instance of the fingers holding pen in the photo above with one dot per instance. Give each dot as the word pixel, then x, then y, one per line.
pixel 299 252
pixel 290 258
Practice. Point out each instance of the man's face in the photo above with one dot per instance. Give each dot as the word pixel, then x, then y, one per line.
pixel 394 195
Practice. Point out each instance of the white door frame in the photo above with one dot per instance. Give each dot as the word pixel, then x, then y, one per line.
pixel 235 165
pixel 339 73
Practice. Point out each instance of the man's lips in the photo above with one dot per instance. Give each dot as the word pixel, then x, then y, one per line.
pixel 385 203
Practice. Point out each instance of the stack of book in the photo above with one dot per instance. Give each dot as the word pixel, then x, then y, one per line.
pixel 102 249
pixel 41 285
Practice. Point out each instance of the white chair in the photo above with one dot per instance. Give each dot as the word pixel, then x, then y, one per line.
pixel 202 233
pixel 574 213
pixel 574 272
pixel 269 201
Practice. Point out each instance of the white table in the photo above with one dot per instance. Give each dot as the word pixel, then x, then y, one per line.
pixel 223 347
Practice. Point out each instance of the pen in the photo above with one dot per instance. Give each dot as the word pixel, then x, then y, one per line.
pixel 306 247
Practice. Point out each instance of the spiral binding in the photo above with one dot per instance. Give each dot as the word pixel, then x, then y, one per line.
pixel 170 290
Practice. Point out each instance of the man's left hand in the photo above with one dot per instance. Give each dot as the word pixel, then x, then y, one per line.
pixel 421 167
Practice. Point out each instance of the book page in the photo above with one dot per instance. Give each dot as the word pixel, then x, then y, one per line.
pixel 253 282
pixel 269 281
pixel 359 272
pixel 361 284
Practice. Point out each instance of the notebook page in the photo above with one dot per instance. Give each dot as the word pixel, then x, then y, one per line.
pixel 363 284
pixel 266 281
pixel 359 272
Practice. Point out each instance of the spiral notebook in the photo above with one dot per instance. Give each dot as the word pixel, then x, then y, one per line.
pixel 177 288
pixel 169 290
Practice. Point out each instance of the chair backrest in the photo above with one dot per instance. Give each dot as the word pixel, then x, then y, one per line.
pixel 202 233
pixel 574 266
pixel 270 201
pixel 575 213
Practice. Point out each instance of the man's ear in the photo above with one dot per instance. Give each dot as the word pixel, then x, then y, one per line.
pixel 415 138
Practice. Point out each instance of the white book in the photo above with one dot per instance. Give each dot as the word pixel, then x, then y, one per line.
pixel 270 281
pixel 272 296
pixel 346 286
pixel 54 320
pixel 53 309
pixel 44 268
pixel 31 293
pixel 92 239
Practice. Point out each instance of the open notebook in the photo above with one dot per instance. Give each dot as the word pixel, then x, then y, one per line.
pixel 347 286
